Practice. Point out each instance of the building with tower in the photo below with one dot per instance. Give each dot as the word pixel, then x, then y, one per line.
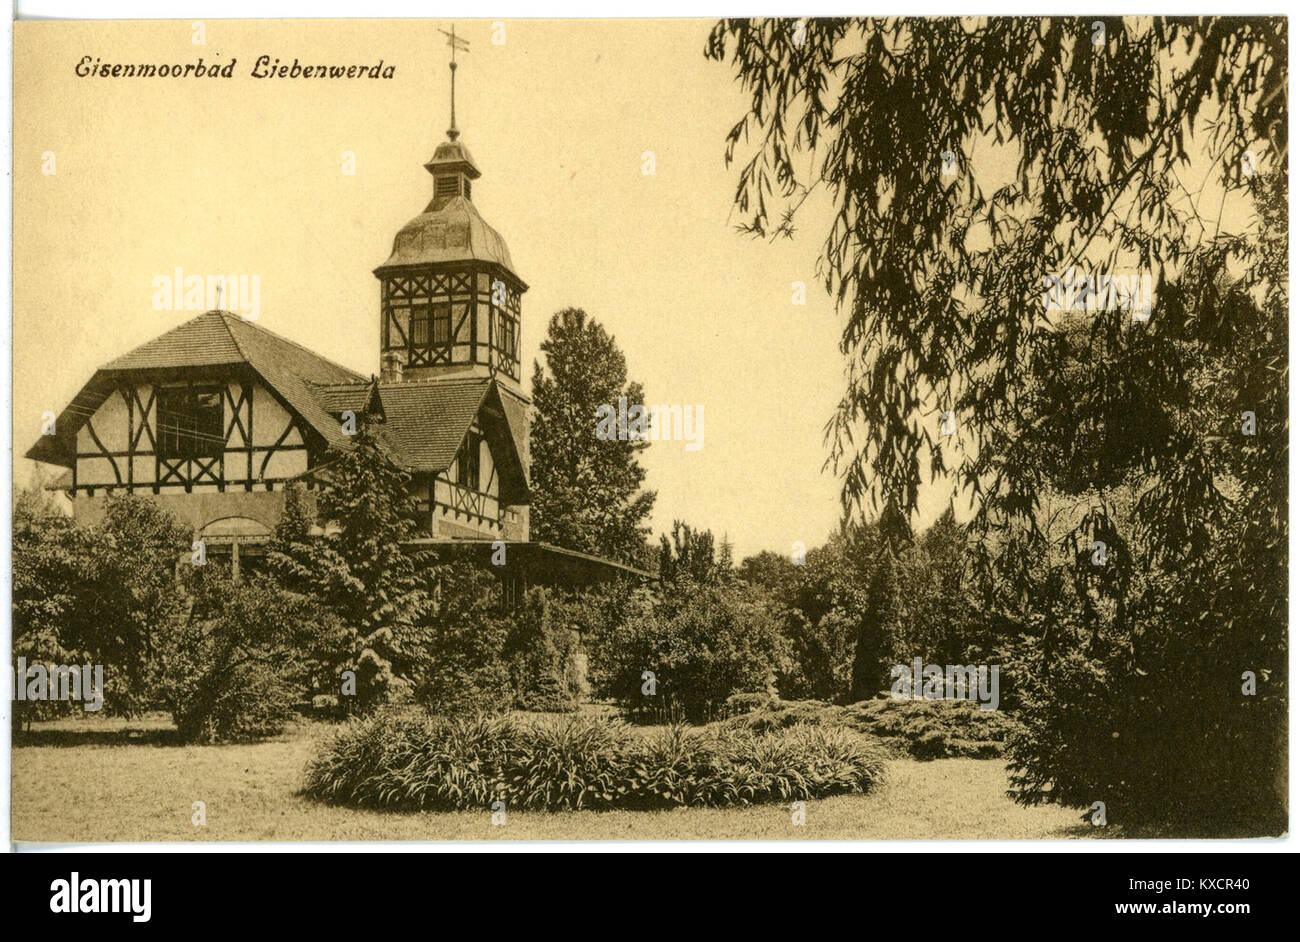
pixel 214 418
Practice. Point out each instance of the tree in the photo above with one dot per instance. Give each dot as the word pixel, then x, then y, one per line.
pixel 464 666
pixel 774 572
pixel 1067 148
pixel 380 592
pixel 586 488
pixel 49 554
pixel 876 631
pixel 691 557
pixel 936 620
pixel 134 589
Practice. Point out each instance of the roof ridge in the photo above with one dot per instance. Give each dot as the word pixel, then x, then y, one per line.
pixel 166 333
pixel 438 381
pixel 233 339
pixel 350 382
pixel 227 317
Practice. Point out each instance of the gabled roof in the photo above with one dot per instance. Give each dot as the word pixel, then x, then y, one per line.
pixel 200 341
pixel 425 423
pixel 215 338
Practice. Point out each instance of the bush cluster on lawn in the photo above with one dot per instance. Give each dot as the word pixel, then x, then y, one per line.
pixel 101 594
pixel 678 654
pixel 702 644
pixel 937 729
pixel 412 762
pixel 233 670
pixel 922 729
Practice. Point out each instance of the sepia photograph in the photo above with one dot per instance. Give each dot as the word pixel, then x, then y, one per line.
pixel 464 429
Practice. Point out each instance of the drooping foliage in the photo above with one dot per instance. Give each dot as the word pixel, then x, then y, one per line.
pixel 969 162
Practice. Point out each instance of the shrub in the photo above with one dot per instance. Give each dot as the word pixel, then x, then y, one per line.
pixel 394 760
pixel 793 764
pixel 738 704
pixel 100 594
pixel 1108 716
pixel 543 650
pixel 252 703
pixel 922 729
pixel 773 714
pixel 432 763
pixel 937 729
pixel 703 643
pixel 574 764
pixel 233 671
pixel 462 665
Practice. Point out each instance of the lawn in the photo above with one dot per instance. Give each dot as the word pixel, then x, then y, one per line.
pixel 105 780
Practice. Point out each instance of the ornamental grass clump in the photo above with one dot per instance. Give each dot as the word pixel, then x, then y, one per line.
pixel 436 764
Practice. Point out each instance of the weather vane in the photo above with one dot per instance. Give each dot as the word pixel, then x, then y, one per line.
pixel 456 43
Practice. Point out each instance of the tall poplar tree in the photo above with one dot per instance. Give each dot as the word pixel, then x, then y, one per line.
pixel 587 492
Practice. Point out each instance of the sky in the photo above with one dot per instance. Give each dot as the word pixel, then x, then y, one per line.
pixel 244 176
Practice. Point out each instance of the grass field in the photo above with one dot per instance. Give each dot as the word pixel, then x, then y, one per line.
pixel 104 780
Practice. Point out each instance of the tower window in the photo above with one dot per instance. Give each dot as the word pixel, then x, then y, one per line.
pixel 189 422
pixel 447 187
pixel 441 324
pixel 506 334
pixel 431 326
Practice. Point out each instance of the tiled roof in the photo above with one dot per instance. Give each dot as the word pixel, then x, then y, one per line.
pixel 340 397
pixel 214 338
pixel 516 410
pixel 425 422
pixel 291 369
pixel 200 341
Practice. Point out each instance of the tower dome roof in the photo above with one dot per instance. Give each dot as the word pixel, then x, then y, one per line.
pixel 452 232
